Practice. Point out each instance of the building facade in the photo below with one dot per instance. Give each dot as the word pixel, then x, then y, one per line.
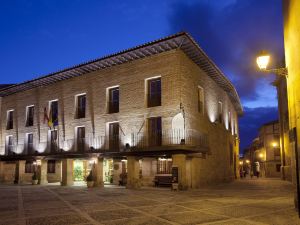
pixel 267 152
pixel 281 87
pixel 291 25
pixel 134 114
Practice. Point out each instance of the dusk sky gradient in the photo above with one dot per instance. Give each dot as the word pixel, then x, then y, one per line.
pixel 39 37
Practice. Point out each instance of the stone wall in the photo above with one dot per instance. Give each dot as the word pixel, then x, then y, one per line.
pixel 180 79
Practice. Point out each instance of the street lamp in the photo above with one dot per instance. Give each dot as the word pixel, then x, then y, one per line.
pixel 263 60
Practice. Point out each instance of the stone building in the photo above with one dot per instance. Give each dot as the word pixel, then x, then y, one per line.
pixel 281 86
pixel 133 114
pixel 291 26
pixel 266 150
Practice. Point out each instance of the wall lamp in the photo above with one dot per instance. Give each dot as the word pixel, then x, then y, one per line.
pixel 263 60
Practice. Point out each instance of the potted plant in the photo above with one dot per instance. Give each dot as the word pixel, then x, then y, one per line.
pixel 90 180
pixel 34 179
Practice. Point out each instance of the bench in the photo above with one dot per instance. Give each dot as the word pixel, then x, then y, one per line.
pixel 163 180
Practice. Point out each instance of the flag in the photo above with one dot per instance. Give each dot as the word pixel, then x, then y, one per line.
pixel 46 118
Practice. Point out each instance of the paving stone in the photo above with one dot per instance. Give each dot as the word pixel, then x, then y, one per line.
pixel 287 217
pixel 163 209
pixel 56 220
pixel 192 217
pixel 203 204
pixel 137 221
pixel 114 214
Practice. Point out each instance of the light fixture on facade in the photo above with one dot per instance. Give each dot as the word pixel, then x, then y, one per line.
pixel 274 144
pixel 261 155
pixel 247 161
pixel 263 60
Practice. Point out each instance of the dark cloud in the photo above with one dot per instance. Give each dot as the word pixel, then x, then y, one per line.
pixel 252 120
pixel 232 35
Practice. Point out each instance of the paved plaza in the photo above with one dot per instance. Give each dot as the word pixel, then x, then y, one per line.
pixel 244 202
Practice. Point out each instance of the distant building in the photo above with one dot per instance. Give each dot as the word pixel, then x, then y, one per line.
pixel 266 149
pixel 132 115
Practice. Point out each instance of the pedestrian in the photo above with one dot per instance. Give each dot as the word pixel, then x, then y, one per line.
pixel 257 168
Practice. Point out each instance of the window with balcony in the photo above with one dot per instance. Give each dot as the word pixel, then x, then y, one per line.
pixel 80 139
pixel 114 138
pixel 53 114
pixel 113 100
pixel 30 143
pixel 53 141
pixel 220 112
pixel 51 166
pixel 29 116
pixel 154 92
pixel 154 131
pixel 10 120
pixel 200 100
pixel 80 106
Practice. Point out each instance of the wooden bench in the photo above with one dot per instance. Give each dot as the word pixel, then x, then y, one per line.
pixel 163 180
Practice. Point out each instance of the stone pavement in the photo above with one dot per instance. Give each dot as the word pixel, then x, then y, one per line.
pixel 244 202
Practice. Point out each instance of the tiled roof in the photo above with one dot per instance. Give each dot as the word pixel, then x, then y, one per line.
pixel 180 40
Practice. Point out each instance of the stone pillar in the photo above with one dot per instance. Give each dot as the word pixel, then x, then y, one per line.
pixel 21 171
pixel 67 172
pixel 98 173
pixel 179 160
pixel 1 172
pixel 133 170
pixel 43 172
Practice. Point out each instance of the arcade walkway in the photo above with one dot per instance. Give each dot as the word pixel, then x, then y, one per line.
pixel 245 202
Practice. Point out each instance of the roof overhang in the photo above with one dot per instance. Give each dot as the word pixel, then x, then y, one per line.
pixel 181 41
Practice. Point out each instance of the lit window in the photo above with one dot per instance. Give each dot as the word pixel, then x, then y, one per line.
pixel 200 100
pixel 80 106
pixel 220 112
pixel 154 92
pixel 29 115
pixel 113 100
pixel 10 120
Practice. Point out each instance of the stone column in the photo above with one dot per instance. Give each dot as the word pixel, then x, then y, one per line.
pixel 43 172
pixel 179 160
pixel 1 172
pixel 98 173
pixel 133 169
pixel 21 172
pixel 67 172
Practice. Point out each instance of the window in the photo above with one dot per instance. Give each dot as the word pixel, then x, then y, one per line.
pixel 53 113
pixel 154 131
pixel 220 112
pixel 80 106
pixel 10 120
pixel 276 151
pixel 164 166
pixel 114 139
pixel 9 145
pixel 200 100
pixel 53 140
pixel 80 140
pixel 29 115
pixel 29 143
pixel 51 166
pixel 113 100
pixel 229 121
pixel 278 167
pixel 29 167
pixel 154 92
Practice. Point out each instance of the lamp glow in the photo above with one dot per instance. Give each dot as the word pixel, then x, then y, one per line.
pixel 263 60
pixel 274 144
pixel 261 155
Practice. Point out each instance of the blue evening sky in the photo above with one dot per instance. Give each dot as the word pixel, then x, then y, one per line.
pixel 42 36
